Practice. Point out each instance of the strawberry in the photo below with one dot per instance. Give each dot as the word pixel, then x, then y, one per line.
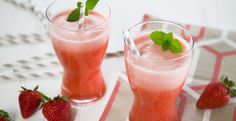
pixel 4 116
pixel 29 101
pixel 58 109
pixel 217 94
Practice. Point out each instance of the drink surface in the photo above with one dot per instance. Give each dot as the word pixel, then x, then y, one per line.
pixel 81 53
pixel 156 78
pixel 94 33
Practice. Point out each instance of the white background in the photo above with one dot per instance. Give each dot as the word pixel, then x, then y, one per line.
pixel 213 13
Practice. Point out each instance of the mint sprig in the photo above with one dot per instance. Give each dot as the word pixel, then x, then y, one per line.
pixel 75 14
pixel 166 41
pixel 90 5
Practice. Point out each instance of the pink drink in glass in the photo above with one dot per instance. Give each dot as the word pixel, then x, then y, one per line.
pixel 156 77
pixel 81 52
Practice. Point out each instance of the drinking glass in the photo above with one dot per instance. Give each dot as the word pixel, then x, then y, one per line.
pixel 156 77
pixel 80 50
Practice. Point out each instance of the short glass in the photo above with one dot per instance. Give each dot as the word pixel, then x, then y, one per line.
pixel 156 77
pixel 80 50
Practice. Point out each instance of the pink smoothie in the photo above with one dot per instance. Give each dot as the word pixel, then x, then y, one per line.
pixel 156 80
pixel 81 53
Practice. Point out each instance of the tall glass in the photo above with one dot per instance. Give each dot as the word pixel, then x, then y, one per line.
pixel 156 77
pixel 80 50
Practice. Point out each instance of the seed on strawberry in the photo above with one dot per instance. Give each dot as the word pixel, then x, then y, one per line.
pixel 4 116
pixel 58 109
pixel 217 94
pixel 29 101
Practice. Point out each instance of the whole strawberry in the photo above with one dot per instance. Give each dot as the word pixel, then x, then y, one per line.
pixel 29 101
pixel 4 116
pixel 58 109
pixel 216 94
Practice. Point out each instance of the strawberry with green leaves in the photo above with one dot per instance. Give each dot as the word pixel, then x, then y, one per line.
pixel 29 101
pixel 217 94
pixel 58 109
pixel 4 116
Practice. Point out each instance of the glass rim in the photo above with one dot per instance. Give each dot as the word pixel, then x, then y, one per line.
pixel 107 19
pixel 167 22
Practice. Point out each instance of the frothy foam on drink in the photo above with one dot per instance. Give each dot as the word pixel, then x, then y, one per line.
pixel 154 58
pixel 88 37
pixel 94 19
pixel 156 68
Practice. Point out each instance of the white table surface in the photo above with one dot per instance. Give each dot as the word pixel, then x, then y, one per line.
pixel 213 13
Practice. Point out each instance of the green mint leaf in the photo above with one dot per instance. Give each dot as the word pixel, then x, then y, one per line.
pixel 90 5
pixel 158 37
pixel 169 36
pixel 79 5
pixel 166 45
pixel 175 46
pixel 86 12
pixel 75 14
pixel 166 41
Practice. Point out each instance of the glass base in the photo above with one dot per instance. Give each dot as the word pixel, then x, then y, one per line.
pixel 84 102
pixel 74 101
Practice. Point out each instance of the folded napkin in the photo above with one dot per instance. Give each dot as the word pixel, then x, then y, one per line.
pixel 214 55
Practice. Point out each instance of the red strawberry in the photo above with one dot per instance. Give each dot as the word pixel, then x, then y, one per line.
pixel 216 94
pixel 58 109
pixel 4 116
pixel 29 101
